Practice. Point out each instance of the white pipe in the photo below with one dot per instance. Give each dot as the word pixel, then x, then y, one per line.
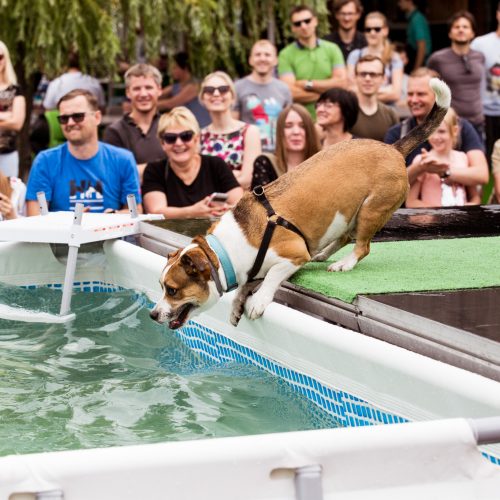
pixel 308 483
pixel 486 430
pixel 42 203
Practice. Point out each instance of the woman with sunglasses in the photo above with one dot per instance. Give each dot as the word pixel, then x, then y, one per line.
pixel 181 185
pixel 296 141
pixel 236 142
pixel 378 44
pixel 12 114
pixel 336 113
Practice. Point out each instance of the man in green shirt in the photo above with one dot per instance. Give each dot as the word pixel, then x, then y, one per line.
pixel 310 66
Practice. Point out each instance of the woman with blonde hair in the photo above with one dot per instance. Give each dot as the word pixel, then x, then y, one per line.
pixel 378 44
pixel 296 141
pixel 236 142
pixel 12 114
pixel 181 185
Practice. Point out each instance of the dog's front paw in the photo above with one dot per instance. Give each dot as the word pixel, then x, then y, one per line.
pixel 255 306
pixel 345 264
pixel 236 316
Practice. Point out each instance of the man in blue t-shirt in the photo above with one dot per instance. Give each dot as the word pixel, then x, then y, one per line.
pixel 83 170
pixel 420 101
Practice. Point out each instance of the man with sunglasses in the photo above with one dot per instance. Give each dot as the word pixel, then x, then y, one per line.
pixel 83 170
pixel 137 131
pixel 310 66
pixel 374 117
pixel 462 69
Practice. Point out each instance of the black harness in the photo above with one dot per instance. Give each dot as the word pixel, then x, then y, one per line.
pixel 273 220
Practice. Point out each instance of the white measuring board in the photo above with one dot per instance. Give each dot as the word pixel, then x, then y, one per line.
pixel 59 227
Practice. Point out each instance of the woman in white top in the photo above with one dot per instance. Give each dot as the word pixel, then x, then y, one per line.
pixel 12 197
pixel 12 114
pixel 378 44
pixel 236 142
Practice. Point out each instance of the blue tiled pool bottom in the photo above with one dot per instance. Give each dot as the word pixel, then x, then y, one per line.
pixel 347 409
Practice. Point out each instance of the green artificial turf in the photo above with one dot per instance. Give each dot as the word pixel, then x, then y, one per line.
pixel 404 266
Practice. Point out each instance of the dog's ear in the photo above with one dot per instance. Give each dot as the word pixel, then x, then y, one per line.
pixel 195 263
pixel 173 254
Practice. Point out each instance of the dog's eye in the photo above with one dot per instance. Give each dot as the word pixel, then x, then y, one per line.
pixel 171 291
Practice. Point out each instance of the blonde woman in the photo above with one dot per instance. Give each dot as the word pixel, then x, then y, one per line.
pixel 378 44
pixel 12 114
pixel 236 142
pixel 296 141
pixel 181 185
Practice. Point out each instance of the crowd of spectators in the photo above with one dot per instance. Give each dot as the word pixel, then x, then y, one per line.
pixel 181 143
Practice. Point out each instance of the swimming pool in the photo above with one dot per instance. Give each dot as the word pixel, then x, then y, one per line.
pixel 360 380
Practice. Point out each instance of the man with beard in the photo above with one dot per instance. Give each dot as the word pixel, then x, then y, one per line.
pixel 137 130
pixel 347 37
pixel 260 96
pixel 82 170
pixel 462 69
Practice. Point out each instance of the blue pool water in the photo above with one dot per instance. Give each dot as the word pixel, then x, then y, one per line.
pixel 114 377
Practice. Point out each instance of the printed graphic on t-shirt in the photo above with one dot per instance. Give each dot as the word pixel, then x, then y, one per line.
pixel 87 193
pixel 265 114
pixel 493 79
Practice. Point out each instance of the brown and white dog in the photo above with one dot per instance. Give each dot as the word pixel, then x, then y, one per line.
pixel 346 192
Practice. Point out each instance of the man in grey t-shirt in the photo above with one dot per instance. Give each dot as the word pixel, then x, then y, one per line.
pixel 261 96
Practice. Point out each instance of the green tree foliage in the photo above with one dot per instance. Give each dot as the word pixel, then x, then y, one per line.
pixel 217 34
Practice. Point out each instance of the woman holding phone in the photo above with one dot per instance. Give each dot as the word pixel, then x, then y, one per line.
pixel 186 183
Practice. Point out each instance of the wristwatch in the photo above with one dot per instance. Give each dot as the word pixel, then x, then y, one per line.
pixel 309 85
pixel 446 174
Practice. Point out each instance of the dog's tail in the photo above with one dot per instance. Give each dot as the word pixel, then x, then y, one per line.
pixel 420 133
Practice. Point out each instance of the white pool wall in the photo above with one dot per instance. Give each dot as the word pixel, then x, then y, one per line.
pixel 431 460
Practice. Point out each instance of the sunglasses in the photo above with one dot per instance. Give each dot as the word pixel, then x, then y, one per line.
pixel 467 65
pixel 222 89
pixel 2 56
pixel 171 138
pixel 371 74
pixel 297 24
pixel 77 118
pixel 377 29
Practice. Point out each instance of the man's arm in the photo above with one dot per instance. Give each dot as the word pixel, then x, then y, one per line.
pixel 338 79
pixel 299 94
pixel 187 93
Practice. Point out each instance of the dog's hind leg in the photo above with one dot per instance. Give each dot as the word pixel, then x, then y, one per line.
pixel 369 221
pixel 257 303
pixel 240 299
pixel 331 248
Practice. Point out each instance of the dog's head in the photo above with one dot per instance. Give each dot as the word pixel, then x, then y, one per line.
pixel 187 287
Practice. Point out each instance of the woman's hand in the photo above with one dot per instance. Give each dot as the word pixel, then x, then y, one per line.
pixel 204 208
pixel 6 209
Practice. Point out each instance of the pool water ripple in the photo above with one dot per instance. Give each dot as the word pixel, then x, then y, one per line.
pixel 114 377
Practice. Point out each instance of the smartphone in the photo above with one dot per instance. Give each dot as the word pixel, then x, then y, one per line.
pixel 218 199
